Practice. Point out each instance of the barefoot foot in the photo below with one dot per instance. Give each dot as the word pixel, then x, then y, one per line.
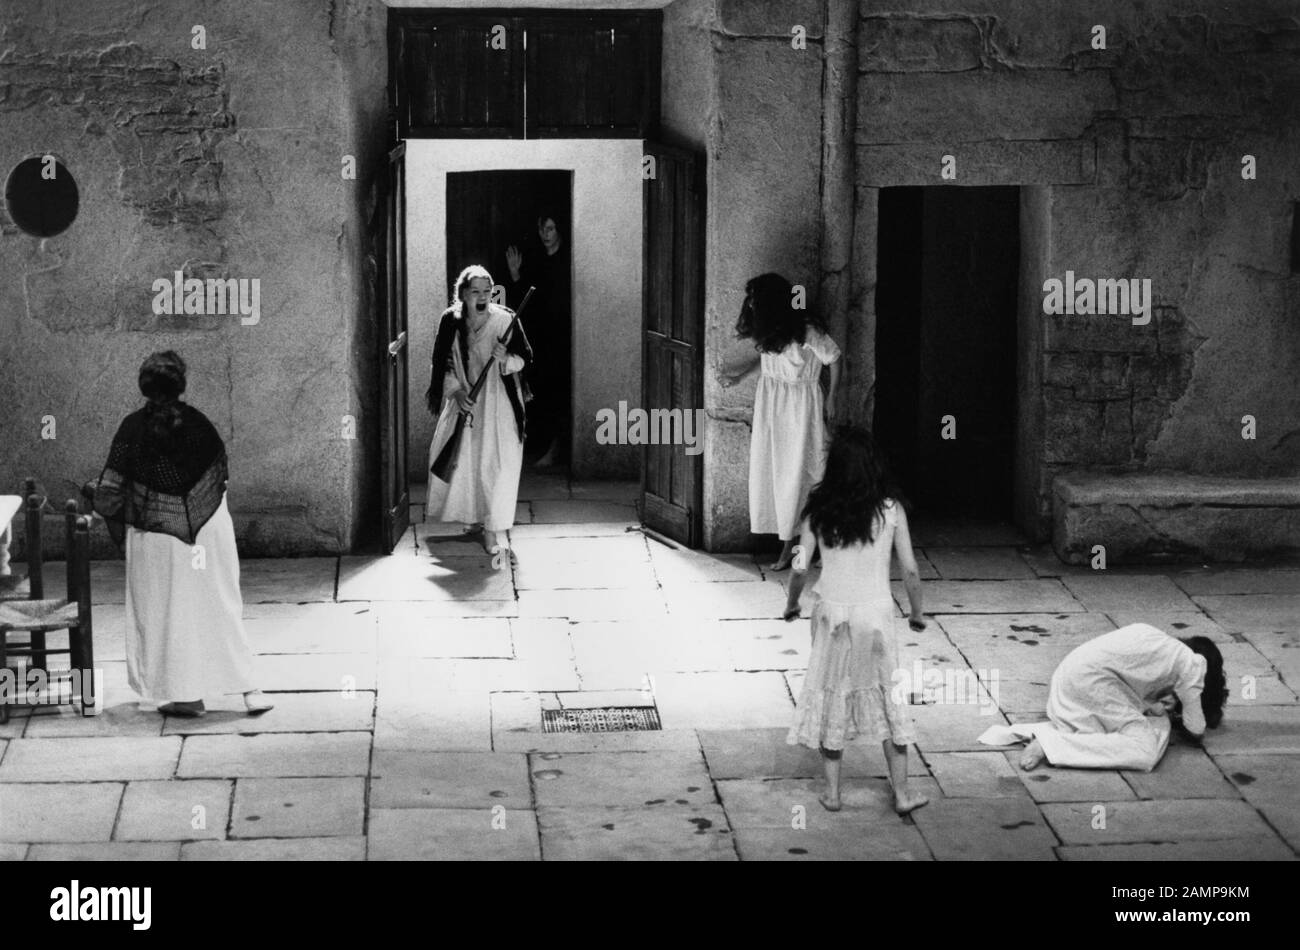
pixel 828 802
pixel 1032 757
pixel 909 801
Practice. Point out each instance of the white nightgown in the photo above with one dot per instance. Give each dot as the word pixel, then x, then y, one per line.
pixel 485 486
pixel 787 453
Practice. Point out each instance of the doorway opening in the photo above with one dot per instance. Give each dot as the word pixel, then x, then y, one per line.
pixel 946 315
pixel 516 223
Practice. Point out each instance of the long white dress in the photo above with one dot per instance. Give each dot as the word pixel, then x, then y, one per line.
pixel 185 636
pixel 849 689
pixel 1102 706
pixel 484 488
pixel 787 452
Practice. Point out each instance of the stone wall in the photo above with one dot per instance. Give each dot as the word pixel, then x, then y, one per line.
pixel 752 103
pixel 1137 150
pixel 224 161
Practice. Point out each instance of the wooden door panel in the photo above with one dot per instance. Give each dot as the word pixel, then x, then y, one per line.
pixel 395 499
pixel 672 357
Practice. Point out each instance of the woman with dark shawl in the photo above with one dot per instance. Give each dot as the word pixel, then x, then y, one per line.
pixel 163 495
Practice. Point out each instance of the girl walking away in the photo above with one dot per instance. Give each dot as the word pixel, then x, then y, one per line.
pixel 857 519
pixel 787 452
pixel 163 495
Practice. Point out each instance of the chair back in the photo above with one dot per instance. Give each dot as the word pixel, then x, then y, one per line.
pixel 35 549
pixel 70 512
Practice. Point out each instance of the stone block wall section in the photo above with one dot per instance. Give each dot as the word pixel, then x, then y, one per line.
pixel 1130 161
pixel 218 162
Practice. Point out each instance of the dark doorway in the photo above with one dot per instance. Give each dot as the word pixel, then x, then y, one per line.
pixel 488 213
pixel 945 408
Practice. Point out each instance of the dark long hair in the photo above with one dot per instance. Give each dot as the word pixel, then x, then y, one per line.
pixel 843 507
pixel 768 316
pixel 162 381
pixel 1215 693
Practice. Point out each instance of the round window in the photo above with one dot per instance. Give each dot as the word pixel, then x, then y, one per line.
pixel 41 196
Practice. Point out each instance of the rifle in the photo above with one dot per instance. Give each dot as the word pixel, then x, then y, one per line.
pixel 445 465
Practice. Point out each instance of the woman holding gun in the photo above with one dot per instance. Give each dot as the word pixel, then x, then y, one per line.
pixel 481 482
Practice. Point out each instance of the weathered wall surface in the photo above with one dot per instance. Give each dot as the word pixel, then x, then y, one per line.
pixel 222 161
pixel 754 106
pixel 606 278
pixel 1141 147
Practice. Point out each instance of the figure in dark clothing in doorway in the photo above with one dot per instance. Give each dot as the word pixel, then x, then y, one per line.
pixel 551 319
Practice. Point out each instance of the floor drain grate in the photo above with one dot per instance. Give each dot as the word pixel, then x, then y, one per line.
pixel 603 719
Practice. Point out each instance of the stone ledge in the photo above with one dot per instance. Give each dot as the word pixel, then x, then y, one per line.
pixel 1173 516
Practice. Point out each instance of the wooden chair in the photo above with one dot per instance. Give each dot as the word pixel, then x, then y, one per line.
pixel 38 616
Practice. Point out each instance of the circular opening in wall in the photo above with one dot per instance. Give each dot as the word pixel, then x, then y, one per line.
pixel 41 196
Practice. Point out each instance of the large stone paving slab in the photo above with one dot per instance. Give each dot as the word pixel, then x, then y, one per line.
pixel 1240 581
pixel 1154 821
pixel 415 579
pixel 609 529
pixel 287 580
pixel 985 829
pixel 490 833
pixel 299 755
pixel 442 722
pixel 294 712
pixel 975 775
pixel 1022 647
pixel 404 633
pixel 1252 613
pixel 450 780
pixel 298 807
pixel 1252 679
pixel 174 811
pixel 1185 771
pixel 764 754
pixel 70 811
pixel 1282 650
pixel 622 491
pixel 578 605
pixel 953 727
pixel 1176 623
pixel 1266 729
pixel 979 564
pixel 12 852
pixel 290 672
pixel 1269 782
pixel 540 574
pixel 628 550
pixel 1244 849
pixel 277 849
pixel 739 600
pixel 841 837
pixel 667 832
pixel 635 778
pixel 997 597
pixel 105 851
pixel 121 714
pixel 723 700
pixel 1048 784
pixel 90 760
pixel 686 566
pixel 629 649
pixel 1102 591
pixel 755 644
pixel 310 628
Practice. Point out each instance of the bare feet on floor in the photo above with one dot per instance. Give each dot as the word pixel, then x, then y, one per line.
pixel 908 801
pixel 490 541
pixel 828 802
pixel 256 703
pixel 1032 757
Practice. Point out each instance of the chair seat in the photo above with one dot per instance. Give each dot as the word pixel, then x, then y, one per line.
pixel 38 616
pixel 15 587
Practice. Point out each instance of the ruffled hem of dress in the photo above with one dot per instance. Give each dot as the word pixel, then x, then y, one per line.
pixel 831 718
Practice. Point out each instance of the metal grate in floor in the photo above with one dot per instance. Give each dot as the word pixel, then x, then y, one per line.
pixel 602 719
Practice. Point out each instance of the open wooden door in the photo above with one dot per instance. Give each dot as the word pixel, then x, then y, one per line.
pixel 672 348
pixel 395 492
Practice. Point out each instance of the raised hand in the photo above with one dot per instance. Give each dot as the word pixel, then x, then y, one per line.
pixel 514 261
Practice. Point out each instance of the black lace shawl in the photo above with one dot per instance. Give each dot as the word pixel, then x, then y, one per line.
pixel 172 485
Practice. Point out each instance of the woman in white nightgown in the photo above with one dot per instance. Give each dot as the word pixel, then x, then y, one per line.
pixel 787 453
pixel 485 485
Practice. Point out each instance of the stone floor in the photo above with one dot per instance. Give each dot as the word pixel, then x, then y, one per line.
pixel 410 690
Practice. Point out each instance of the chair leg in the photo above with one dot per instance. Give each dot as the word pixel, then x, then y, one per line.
pixel 85 625
pixel 36 570
pixel 7 696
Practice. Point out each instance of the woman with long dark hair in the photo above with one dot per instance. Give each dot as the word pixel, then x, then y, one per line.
pixel 787 450
pixel 856 516
pixel 163 495
pixel 1115 699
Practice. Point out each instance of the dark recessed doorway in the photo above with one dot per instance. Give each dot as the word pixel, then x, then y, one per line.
pixel 946 310
pixel 490 212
